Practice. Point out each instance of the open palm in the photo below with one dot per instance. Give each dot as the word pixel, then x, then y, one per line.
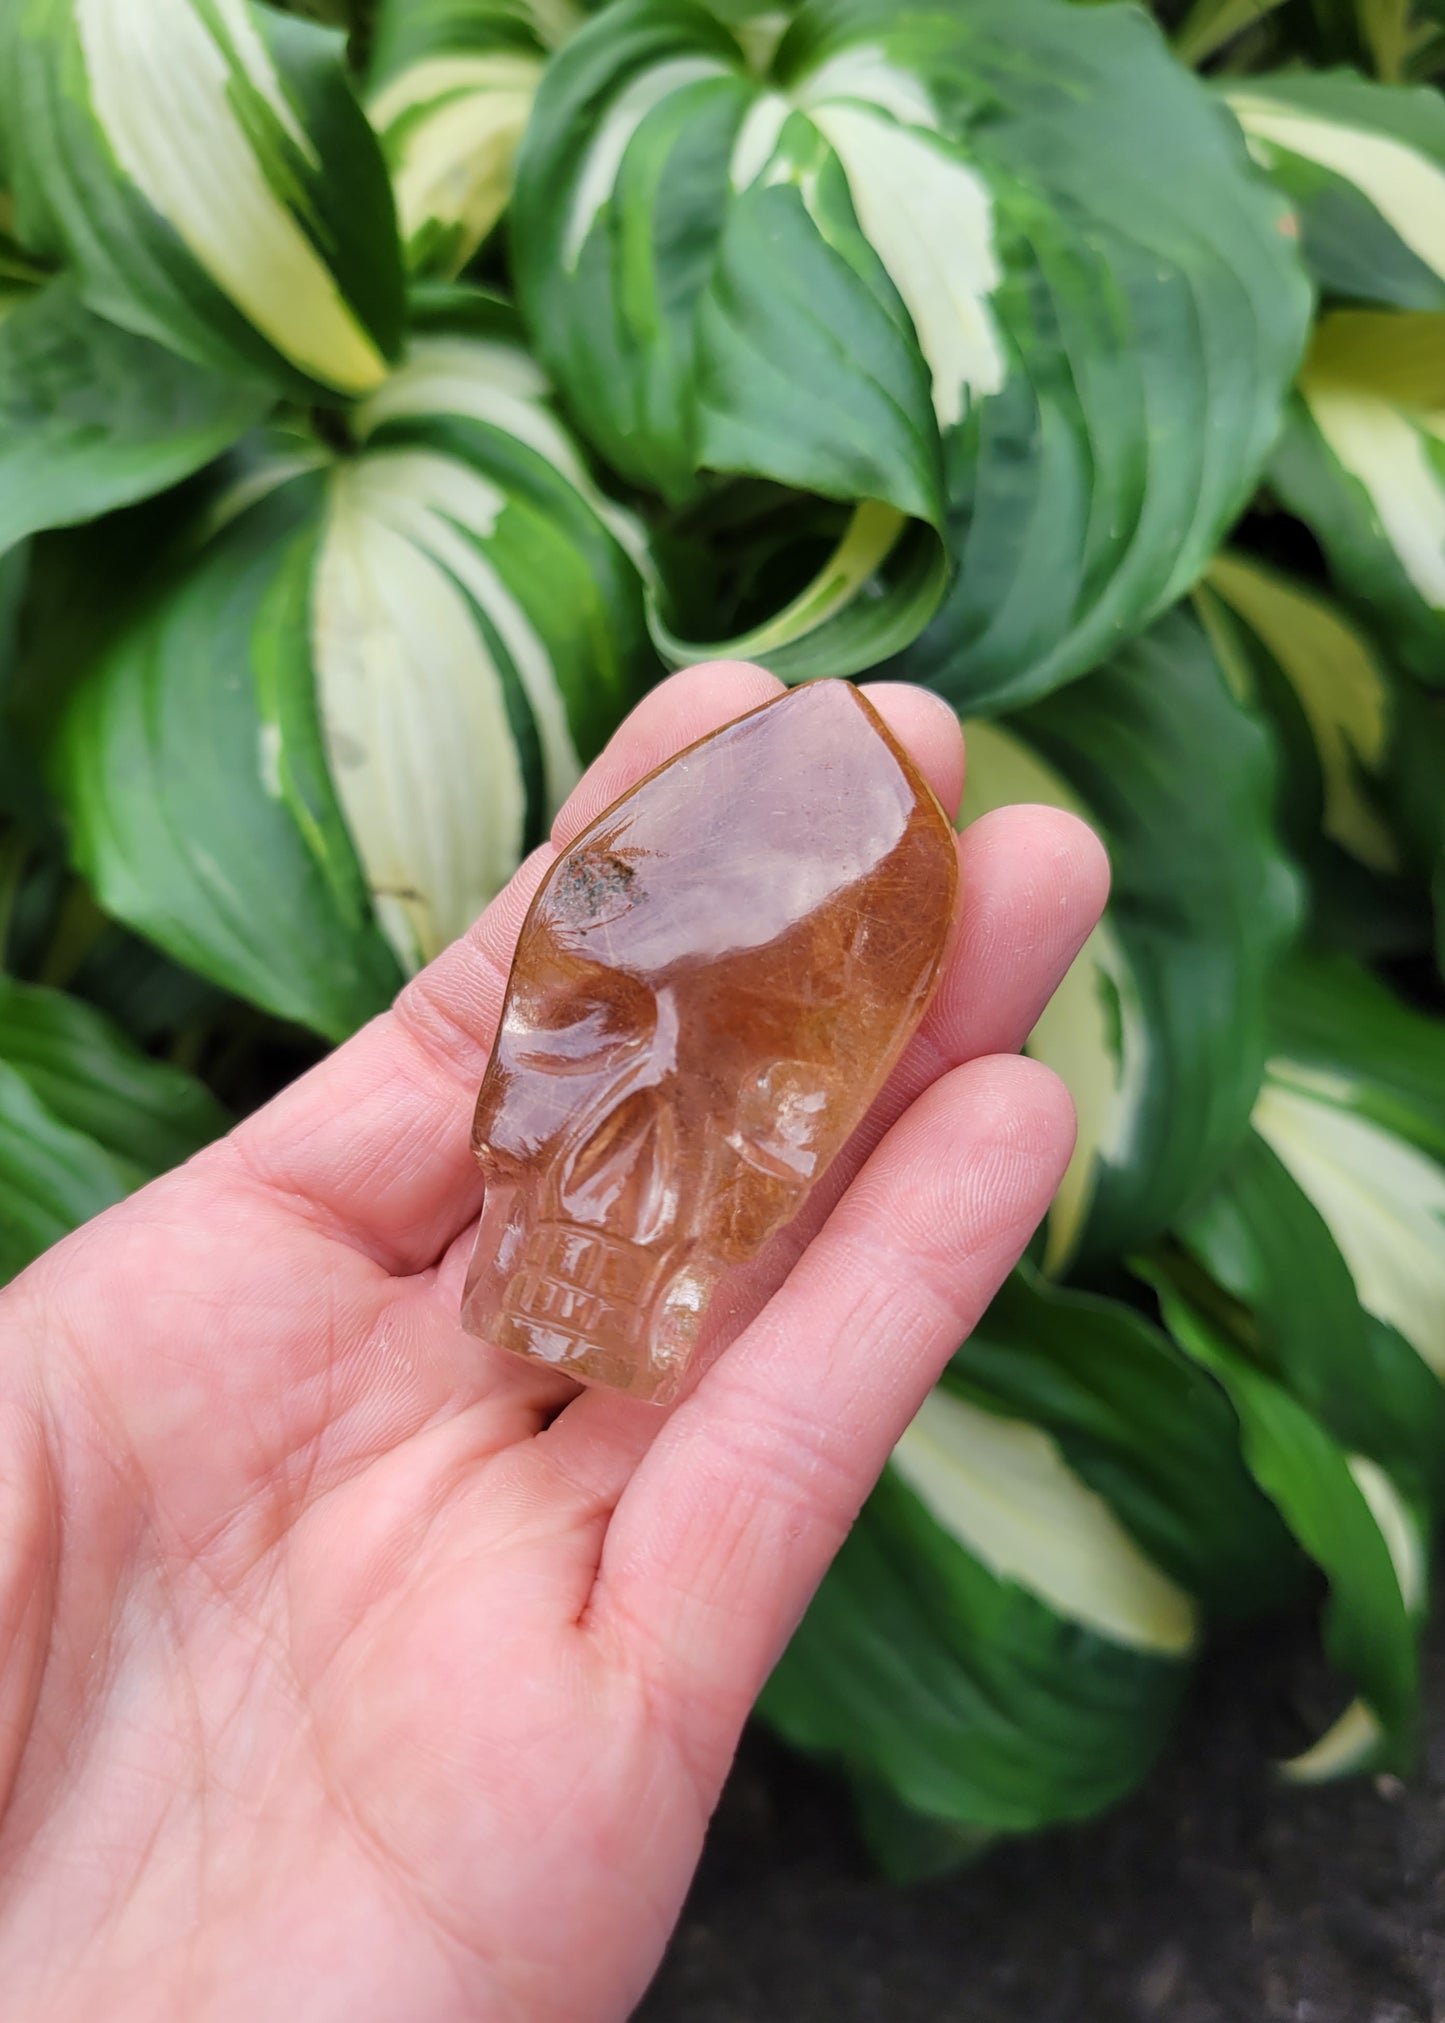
pixel 351 1668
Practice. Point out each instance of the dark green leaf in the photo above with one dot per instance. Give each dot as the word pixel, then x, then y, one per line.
pixel 1263 1241
pixel 52 1178
pixel 911 1846
pixel 92 417
pixel 1331 1015
pixel 1161 1028
pixel 88 1075
pixel 1362 751
pixel 84 1118
pixel 1352 1521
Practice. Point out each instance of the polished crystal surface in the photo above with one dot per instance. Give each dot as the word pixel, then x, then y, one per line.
pixel 709 990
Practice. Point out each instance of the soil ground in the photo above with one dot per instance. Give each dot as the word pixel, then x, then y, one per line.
pixel 1216 1895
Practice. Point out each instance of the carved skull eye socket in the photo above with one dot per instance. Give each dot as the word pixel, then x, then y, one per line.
pixel 784 1118
pixel 579 1019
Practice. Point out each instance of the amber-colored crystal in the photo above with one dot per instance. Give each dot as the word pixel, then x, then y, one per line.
pixel 709 990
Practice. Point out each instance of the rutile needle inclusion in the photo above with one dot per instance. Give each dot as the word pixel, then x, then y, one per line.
pixel 710 988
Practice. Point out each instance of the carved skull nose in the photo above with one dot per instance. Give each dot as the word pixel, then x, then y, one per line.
pixel 625 1177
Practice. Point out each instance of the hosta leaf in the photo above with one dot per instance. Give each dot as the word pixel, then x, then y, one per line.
pixel 363 697
pixel 92 417
pixel 1138 1424
pixel 1032 314
pixel 910 1846
pixel 1337 1024
pixel 204 169
pixel 1261 1238
pixel 84 1118
pixel 990 1644
pixel 1364 166
pixel 1364 736
pixel 1362 462
pixel 450 88
pixel 52 1178
pixel 1355 1524
pixel 1160 1027
pixel 168 771
pixel 693 325
pixel 1327 1232
pixel 1210 25
pixel 1363 752
pixel 1358 1119
pixel 92 1078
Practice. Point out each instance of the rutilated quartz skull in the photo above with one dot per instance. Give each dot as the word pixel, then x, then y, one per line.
pixel 710 988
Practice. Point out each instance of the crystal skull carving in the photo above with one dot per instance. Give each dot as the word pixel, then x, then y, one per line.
pixel 710 988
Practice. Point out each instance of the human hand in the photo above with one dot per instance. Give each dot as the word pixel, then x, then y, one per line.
pixel 351 1668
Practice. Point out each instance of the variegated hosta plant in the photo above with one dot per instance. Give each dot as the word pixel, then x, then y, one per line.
pixel 390 389
pixel 449 87
pixel 921 263
pixel 363 687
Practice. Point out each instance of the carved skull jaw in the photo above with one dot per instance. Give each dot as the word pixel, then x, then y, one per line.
pixel 593 1307
pixel 608 1278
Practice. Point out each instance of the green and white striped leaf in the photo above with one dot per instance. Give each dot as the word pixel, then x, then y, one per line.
pixel 1364 166
pixel 166 762
pixel 1353 1106
pixel 1326 1235
pixel 1363 752
pixel 1362 463
pixel 990 1646
pixel 449 90
pixel 1032 312
pixel 1333 1019
pixel 206 173
pixel 1140 1425
pixel 1001 1488
pixel 84 1118
pixel 1362 1532
pixel 1160 1028
pixel 332 734
pixel 1264 1243
pixel 92 417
